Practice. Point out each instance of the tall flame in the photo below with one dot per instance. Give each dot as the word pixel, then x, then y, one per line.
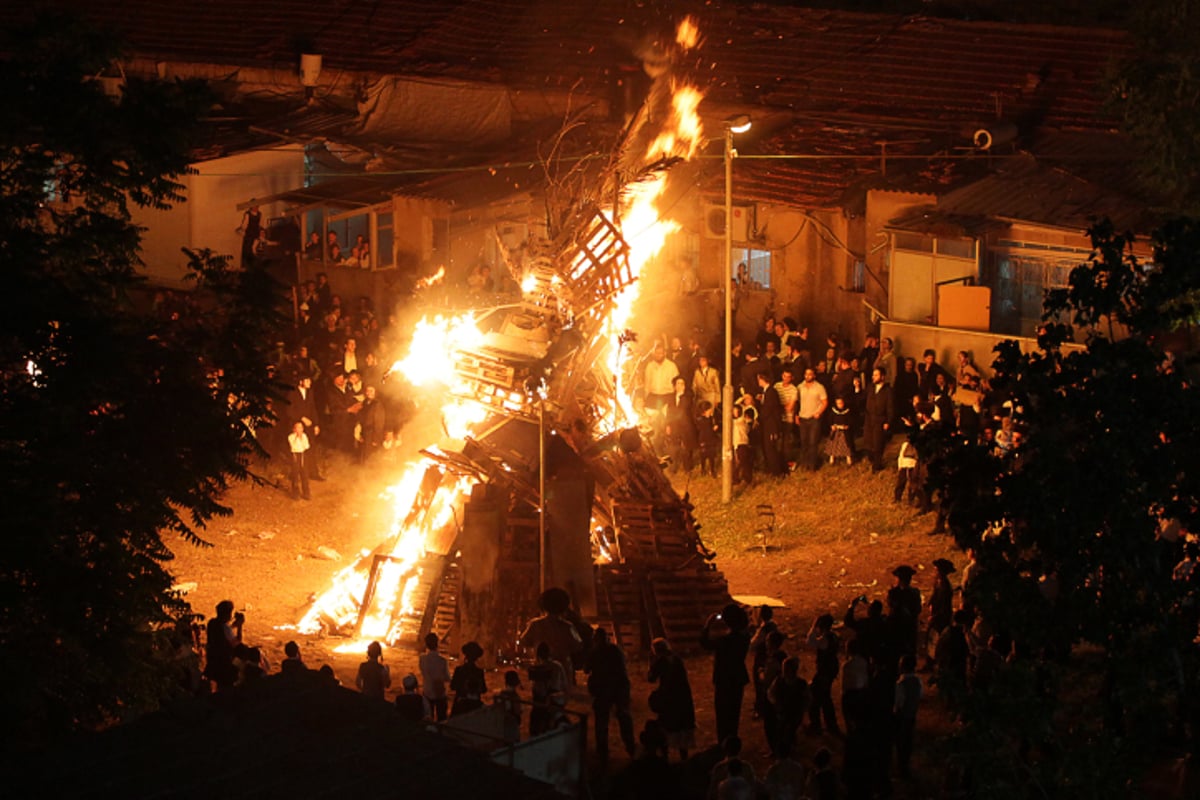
pixel 642 224
pixel 436 346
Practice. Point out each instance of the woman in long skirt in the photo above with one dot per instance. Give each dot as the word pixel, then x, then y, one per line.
pixel 672 700
pixel 838 444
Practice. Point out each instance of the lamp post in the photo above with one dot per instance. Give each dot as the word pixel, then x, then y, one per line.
pixel 738 124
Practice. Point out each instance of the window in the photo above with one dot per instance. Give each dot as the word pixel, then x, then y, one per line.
pixel 385 239
pixel 857 279
pixel 753 266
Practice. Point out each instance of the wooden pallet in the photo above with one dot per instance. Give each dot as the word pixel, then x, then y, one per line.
pixel 654 536
pixel 684 599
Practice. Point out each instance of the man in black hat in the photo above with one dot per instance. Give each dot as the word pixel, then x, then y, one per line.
pixel 904 600
pixel 941 604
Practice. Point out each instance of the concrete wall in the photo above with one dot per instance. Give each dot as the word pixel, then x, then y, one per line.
pixel 911 340
pixel 209 217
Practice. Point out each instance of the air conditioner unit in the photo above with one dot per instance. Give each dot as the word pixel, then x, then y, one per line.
pixel 743 222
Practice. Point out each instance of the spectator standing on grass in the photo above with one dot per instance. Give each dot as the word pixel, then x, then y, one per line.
pixel 770 422
pixel 373 675
pixel 706 382
pixel 840 425
pixel 672 700
pixel 813 400
pixel 708 439
pixel 878 420
pixel 435 675
pixel 729 666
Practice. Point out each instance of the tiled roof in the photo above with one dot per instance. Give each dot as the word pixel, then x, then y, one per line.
pixel 821 62
pixel 1024 190
pixel 910 68
pixel 847 81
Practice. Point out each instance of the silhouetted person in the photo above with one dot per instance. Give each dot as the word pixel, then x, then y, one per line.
pixel 223 634
pixel 373 676
pixel 729 666
pixel 409 703
pixel 468 683
pixel 435 675
pixel 608 684
pixel 292 665
pixel 672 700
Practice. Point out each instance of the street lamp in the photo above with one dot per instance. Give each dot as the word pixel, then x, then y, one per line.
pixel 738 124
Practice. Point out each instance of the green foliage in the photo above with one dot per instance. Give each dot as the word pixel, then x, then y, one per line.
pixel 1156 93
pixel 116 424
pixel 1110 435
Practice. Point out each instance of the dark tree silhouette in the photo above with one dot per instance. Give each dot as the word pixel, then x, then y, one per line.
pixel 119 427
pixel 1066 528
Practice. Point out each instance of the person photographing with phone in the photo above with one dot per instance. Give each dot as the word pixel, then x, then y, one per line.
pixel 730 675
pixel 223 633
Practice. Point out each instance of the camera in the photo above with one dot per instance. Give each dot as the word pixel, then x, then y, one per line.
pixel 862 598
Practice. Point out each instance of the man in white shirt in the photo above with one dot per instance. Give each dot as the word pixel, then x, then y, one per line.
pixel 435 676
pixel 298 444
pixel 813 400
pixel 789 398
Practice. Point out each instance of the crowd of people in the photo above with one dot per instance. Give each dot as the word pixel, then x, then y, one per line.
pixel 791 675
pixel 799 404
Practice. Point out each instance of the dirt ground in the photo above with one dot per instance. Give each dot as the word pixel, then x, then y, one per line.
pixel 836 535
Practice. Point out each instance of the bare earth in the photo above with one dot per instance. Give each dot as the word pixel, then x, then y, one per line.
pixel 837 535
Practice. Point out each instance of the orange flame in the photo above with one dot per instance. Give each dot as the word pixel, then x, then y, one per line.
pixel 430 280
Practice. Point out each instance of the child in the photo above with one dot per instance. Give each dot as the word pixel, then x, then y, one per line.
pixel 510 701
pixel 709 439
pixel 410 705
pixel 373 675
pixel 743 424
pixel 837 445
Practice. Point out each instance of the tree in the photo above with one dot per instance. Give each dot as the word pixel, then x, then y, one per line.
pixel 1155 91
pixel 119 427
pixel 1066 529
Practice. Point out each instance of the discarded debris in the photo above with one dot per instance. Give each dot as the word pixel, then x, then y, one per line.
pixel 266 536
pixel 859 585
pixel 185 587
pixel 327 553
